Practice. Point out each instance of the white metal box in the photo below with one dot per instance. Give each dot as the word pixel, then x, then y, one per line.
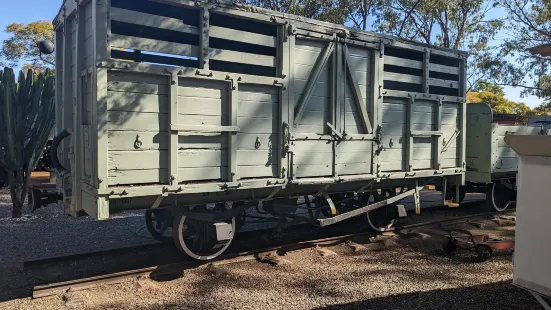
pixel 532 258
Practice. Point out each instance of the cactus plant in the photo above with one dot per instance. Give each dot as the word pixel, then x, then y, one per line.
pixel 26 120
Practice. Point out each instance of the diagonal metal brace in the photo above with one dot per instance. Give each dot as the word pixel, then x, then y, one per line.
pixel 335 132
pixel 312 80
pixel 371 207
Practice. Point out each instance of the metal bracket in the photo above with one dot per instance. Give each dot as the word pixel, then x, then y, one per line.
pixel 227 186
pixel 335 132
pixel 157 202
pixel 331 204
pixel 286 139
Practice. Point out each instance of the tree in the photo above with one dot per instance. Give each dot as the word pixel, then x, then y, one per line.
pixel 22 45
pixel 460 24
pixel 494 96
pixel 529 25
pixel 333 11
pixel 360 11
pixel 26 120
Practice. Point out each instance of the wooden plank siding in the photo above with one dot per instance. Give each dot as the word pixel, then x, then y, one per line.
pixel 168 92
pixel 394 116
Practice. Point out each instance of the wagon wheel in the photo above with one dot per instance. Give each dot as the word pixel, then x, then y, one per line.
pixel 450 245
pixel 383 218
pixel 484 252
pixel 198 238
pixel 501 195
pixel 159 224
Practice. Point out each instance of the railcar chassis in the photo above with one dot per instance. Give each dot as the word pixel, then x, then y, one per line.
pixel 204 231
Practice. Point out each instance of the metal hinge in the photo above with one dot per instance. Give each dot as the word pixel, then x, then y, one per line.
pixel 286 139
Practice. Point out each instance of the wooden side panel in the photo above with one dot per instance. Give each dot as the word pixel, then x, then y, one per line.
pixel 451 143
pixel 424 118
pixel 360 61
pixel 317 111
pixel 258 141
pixel 137 118
pixel 88 48
pixel 393 123
pixel 313 158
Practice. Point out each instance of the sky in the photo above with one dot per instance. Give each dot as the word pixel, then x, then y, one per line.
pixel 26 11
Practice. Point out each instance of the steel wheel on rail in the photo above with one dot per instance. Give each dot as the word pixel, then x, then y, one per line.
pixel 198 238
pixel 383 218
pixel 501 195
pixel 159 224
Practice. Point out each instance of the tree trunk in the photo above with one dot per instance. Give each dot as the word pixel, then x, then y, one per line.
pixel 18 191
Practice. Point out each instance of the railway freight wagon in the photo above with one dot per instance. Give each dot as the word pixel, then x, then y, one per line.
pixel 198 111
pixel 491 164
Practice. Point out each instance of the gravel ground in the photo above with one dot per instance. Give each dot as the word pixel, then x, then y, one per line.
pixel 50 232
pixel 391 272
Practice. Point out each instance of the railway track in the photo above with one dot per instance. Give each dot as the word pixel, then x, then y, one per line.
pixel 174 270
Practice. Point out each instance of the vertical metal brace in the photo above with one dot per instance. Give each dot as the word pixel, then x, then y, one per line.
pixel 426 61
pixel 173 134
pixel 377 98
pixel 462 120
pixel 444 190
pixel 409 150
pixel 77 109
pixel 286 46
pixel 102 33
pixel 232 136
pixel 438 139
pixel 416 199
pixel 204 57
pixel 336 100
pixel 68 107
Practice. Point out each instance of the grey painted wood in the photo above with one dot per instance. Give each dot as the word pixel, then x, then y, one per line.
pixel 150 20
pixel 443 69
pixel 241 57
pixel 242 36
pixel 406 78
pixel 358 98
pixel 151 45
pixel 443 83
pixel 403 62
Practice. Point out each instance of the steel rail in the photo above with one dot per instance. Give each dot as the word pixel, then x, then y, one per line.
pixel 179 267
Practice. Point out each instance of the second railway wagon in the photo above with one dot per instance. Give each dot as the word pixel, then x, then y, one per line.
pixel 198 111
pixel 492 165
